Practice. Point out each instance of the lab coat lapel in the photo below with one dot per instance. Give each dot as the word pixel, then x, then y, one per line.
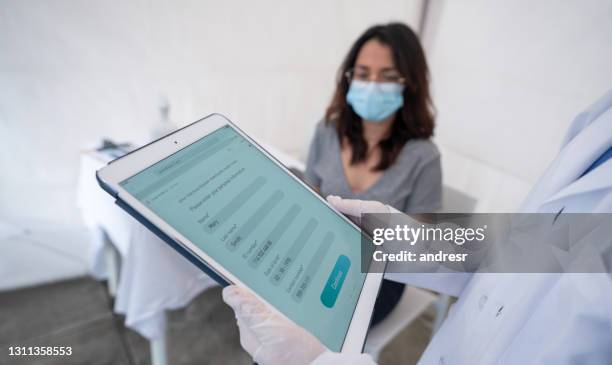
pixel 598 179
pixel 588 137
pixel 564 177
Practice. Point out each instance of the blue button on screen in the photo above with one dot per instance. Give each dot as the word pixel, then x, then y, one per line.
pixel 335 281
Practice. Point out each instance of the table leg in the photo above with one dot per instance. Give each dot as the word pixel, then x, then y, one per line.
pixel 159 351
pixel 111 257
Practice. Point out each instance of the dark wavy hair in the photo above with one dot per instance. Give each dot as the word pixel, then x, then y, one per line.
pixel 416 117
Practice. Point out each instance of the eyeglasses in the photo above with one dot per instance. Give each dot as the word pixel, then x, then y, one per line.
pixel 364 75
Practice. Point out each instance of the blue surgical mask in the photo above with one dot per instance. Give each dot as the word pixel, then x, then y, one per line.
pixel 375 101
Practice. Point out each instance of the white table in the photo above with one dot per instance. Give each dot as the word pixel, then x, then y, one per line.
pixel 152 277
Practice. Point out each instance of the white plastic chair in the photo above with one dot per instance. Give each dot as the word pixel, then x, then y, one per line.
pixel 413 302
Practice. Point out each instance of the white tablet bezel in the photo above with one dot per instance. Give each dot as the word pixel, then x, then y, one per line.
pixel 138 160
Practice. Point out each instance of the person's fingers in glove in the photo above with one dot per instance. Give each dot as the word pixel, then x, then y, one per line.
pixel 246 306
pixel 266 335
pixel 356 208
pixel 235 300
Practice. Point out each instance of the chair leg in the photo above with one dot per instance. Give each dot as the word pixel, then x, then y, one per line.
pixel 441 305
pixel 374 355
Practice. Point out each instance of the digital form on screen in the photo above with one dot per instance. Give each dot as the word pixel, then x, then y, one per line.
pixel 267 229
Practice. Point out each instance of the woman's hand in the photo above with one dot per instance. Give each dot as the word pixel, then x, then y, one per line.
pixel 267 336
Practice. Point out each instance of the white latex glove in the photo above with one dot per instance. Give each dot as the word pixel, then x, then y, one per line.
pixel 356 208
pixel 267 336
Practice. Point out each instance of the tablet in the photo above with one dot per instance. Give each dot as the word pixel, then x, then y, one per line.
pixel 231 208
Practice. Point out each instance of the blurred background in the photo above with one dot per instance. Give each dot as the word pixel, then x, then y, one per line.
pixel 507 77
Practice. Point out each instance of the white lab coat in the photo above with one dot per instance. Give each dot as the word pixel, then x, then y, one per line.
pixel 533 318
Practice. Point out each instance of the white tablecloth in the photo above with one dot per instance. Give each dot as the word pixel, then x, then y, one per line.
pixel 99 210
pixel 153 277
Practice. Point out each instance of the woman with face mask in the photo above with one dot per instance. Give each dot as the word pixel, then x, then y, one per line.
pixel 374 142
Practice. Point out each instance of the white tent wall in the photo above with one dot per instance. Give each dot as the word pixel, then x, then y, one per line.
pixel 74 71
pixel 508 78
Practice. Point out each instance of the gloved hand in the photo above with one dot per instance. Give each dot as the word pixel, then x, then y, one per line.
pixel 267 336
pixel 356 208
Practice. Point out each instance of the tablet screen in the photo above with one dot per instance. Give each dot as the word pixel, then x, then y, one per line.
pixel 239 207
